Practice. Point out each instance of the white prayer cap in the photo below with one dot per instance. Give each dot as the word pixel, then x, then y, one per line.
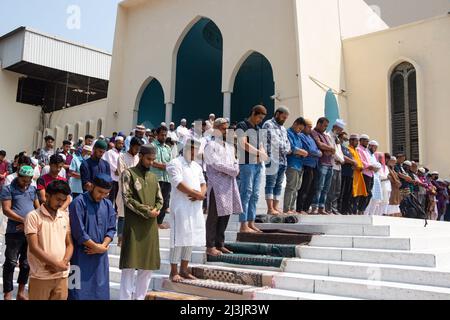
pixel 140 128
pixel 212 115
pixel 393 159
pixel 119 138
pixel 148 130
pixel 220 121
pixel 81 138
pixel 172 123
pixel 34 161
pixel 340 123
pixel 193 124
pixel 364 137
pixel 163 124
pixel 183 121
pixel 422 170
pixel 354 136
pixel 407 163
pixel 374 143
pixel 101 137
pixel 435 173
pixel 87 148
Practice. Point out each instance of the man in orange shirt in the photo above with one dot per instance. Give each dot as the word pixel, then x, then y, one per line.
pixel 50 245
pixel 359 186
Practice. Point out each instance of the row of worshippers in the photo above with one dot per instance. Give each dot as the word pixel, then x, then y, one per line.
pixel 93 217
pixel 51 239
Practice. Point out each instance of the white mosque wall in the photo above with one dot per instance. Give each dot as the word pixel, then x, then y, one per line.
pixel 321 25
pixel 18 121
pixel 358 18
pixel 369 61
pixel 399 12
pixel 148 34
pixel 79 120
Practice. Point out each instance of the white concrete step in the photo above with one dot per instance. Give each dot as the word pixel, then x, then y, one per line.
pixel 371 271
pixel 197 256
pixel 362 289
pixel 330 229
pixel 420 259
pixel 229 235
pixel 279 294
pixel 370 220
pixel 165 243
pixel 360 229
pixel 390 243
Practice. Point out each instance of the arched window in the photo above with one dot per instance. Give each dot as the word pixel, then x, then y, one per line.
pixel 405 125
pixel 99 127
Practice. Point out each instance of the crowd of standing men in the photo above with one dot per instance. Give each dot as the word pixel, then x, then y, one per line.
pixel 65 206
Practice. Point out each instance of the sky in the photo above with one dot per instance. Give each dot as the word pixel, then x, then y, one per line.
pixel 88 22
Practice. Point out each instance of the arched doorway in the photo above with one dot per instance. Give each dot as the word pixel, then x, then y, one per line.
pixel 152 110
pixel 254 84
pixel 404 119
pixel 199 73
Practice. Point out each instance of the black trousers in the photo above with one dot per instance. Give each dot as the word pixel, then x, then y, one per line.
pixel 113 193
pixel 307 190
pixel 15 253
pixel 215 225
pixel 346 197
pixel 369 185
pixel 165 191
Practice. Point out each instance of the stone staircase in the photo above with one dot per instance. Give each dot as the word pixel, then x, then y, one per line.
pixel 356 257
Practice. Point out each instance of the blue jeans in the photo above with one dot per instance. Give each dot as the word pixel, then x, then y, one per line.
pixel 274 184
pixel 323 186
pixel 249 181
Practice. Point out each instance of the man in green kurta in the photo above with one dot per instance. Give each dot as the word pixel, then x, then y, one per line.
pixel 140 244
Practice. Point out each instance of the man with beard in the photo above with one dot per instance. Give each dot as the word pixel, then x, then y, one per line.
pixel 140 244
pixel 222 169
pixel 93 226
pixel 278 147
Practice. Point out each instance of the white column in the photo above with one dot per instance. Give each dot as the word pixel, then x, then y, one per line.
pixel 169 109
pixel 227 105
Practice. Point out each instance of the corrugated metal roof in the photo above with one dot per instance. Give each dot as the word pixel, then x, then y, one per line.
pixel 24 44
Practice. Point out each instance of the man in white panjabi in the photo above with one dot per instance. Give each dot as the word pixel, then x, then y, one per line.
pixel 125 161
pixel 376 202
pixel 182 131
pixel 186 214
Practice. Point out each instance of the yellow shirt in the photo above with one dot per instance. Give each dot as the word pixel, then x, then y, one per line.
pixel 51 233
pixel 359 186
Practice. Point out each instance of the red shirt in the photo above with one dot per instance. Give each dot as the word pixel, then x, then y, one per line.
pixel 46 179
pixel 3 169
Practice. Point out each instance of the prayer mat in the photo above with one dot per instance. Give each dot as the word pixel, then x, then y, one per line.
pixel 213 289
pixel 276 219
pixel 289 219
pixel 171 296
pixel 248 260
pixel 274 250
pixel 262 218
pixel 277 237
pixel 231 276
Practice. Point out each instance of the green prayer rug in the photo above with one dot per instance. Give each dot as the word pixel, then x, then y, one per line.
pixel 274 250
pixel 247 260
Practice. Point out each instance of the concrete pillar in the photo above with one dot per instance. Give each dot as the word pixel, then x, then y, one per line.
pixel 169 109
pixel 227 105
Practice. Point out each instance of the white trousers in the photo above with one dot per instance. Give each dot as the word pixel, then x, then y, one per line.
pixel 128 285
